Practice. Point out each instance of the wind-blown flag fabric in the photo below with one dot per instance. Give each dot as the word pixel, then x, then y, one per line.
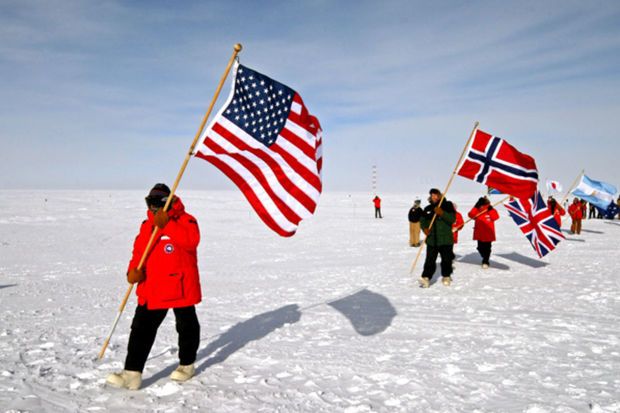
pixel 537 223
pixel 598 193
pixel 493 162
pixel 554 186
pixel 265 140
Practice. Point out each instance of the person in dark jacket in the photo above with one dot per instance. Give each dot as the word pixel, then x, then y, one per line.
pixel 439 238
pixel 415 213
pixel 168 279
pixel 484 228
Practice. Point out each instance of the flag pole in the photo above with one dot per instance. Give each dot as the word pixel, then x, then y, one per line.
pixel 443 194
pixel 583 171
pixel 236 49
pixel 480 213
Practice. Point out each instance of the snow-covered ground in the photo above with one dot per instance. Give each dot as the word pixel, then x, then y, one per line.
pixel 329 320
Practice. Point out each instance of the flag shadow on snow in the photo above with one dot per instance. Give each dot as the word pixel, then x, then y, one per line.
pixel 474 258
pixel 522 259
pixel 612 223
pixel 369 313
pixel 7 286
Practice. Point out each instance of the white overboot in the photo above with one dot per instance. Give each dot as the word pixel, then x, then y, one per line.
pixel 183 373
pixel 126 379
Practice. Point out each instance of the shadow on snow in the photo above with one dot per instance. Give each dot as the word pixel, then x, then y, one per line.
pixel 369 313
pixel 7 286
pixel 522 259
pixel 474 258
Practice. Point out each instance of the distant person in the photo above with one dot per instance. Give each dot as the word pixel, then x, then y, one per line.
pixel 592 212
pixel 168 279
pixel 556 210
pixel 584 208
pixel 618 203
pixel 415 213
pixel 484 228
pixel 458 224
pixel 576 213
pixel 377 201
pixel 439 238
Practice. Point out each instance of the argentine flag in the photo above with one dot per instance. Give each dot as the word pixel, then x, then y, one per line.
pixel 600 194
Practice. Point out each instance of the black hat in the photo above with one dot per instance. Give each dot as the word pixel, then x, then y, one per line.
pixel 434 191
pixel 158 195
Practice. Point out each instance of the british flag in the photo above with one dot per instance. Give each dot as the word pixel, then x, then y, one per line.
pixel 493 162
pixel 537 223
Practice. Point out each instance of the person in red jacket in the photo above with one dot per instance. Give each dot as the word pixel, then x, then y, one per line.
pixel 458 225
pixel 484 228
pixel 556 210
pixel 168 279
pixel 377 201
pixel 576 213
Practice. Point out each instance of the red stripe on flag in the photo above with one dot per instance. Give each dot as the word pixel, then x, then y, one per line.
pixel 282 177
pixel 248 193
pixel 305 173
pixel 288 213
pixel 299 143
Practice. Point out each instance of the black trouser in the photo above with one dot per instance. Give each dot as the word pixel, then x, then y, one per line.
pixel 378 213
pixel 484 248
pixel 144 329
pixel 430 264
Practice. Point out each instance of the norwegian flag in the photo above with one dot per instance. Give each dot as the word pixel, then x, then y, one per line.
pixel 265 140
pixel 536 222
pixel 493 162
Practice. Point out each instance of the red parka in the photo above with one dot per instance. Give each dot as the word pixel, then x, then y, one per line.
pixel 377 202
pixel 484 226
pixel 456 227
pixel 172 278
pixel 575 211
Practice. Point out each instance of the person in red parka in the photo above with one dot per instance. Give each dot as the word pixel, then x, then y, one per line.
pixel 377 201
pixel 556 210
pixel 168 279
pixel 575 211
pixel 458 225
pixel 484 228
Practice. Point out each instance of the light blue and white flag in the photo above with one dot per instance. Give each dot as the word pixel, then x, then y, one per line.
pixel 599 194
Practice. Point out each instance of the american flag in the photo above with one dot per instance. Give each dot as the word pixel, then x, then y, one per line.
pixel 536 222
pixel 494 162
pixel 265 140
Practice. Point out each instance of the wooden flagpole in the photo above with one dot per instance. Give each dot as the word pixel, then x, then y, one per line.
pixel 236 49
pixel 443 195
pixel 480 213
pixel 583 171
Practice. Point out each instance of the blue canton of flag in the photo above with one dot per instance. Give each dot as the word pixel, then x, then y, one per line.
pixel 537 223
pixel 260 105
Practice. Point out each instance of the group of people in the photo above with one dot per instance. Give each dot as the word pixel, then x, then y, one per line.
pixel 577 211
pixel 443 233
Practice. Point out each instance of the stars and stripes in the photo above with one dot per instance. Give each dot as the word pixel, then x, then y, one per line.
pixel 494 162
pixel 265 140
pixel 537 223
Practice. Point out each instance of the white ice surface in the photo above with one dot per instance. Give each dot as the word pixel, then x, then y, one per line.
pixel 329 320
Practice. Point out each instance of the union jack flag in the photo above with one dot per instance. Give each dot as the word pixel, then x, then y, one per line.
pixel 265 140
pixel 536 222
pixel 493 162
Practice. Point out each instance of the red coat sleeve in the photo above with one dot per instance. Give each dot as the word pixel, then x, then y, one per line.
pixel 494 214
pixel 474 211
pixel 139 244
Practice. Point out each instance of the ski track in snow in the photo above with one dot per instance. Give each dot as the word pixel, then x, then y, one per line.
pixel 327 321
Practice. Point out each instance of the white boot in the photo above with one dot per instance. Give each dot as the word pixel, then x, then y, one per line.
pixel 183 373
pixel 424 282
pixel 126 379
pixel 485 266
pixel 446 281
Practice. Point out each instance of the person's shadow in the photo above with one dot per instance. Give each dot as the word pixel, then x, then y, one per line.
pixel 369 313
pixel 244 332
pixel 236 338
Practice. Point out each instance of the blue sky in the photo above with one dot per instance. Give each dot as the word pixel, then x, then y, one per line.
pixel 110 94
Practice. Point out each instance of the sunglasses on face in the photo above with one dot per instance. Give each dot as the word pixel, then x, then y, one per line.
pixel 155 202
